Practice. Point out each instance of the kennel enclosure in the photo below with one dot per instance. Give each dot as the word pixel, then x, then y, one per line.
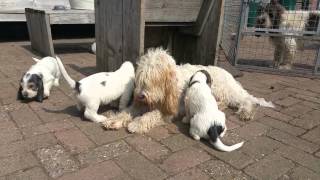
pixel 247 51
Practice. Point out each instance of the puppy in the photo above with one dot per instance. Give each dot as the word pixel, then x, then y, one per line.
pixel 37 82
pixel 102 88
pixel 206 120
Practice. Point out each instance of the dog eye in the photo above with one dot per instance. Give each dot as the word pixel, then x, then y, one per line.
pixel 31 86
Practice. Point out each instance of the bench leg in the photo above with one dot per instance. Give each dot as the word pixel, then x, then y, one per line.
pixel 39 32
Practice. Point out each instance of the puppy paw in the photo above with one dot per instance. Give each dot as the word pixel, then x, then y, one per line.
pixel 112 125
pixel 100 119
pixel 185 120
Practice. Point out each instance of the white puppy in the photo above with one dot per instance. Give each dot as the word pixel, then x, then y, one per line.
pixel 206 120
pixel 37 82
pixel 102 88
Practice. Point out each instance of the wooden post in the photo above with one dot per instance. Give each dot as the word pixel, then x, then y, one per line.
pixel 119 32
pixel 200 47
pixel 39 31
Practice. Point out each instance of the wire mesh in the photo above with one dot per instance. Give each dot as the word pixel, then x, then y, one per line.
pixel 273 33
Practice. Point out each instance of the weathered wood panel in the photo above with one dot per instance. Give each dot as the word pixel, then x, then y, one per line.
pixel 22 4
pixel 133 29
pixel 39 31
pixel 108 34
pixel 119 32
pixel 200 49
pixel 172 10
pixel 72 17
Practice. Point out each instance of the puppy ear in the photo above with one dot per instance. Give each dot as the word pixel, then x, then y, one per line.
pixel 209 79
pixel 40 92
pixel 19 94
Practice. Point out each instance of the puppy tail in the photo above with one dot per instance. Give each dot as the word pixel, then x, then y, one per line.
pixel 214 133
pixel 72 83
pixel 35 59
pixel 262 102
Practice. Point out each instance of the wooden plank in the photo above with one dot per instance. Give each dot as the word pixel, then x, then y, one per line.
pixel 172 10
pixel 133 29
pixel 202 18
pixel 39 31
pixel 72 18
pixel 108 29
pixel 12 17
pixel 200 49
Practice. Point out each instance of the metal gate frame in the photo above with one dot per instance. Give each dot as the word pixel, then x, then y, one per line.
pixel 243 31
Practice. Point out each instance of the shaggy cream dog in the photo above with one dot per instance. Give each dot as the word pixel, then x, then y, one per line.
pixel 102 88
pixel 206 120
pixel 160 87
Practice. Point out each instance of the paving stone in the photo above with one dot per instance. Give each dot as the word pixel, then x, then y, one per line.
pixel 318 154
pixel 74 140
pixel 35 173
pixel 252 130
pixel 55 126
pixel 303 92
pixel 297 110
pixel 300 157
pixel 307 98
pixel 25 117
pixel 260 147
pixel 178 142
pixel 139 167
pixel 27 145
pixel 104 170
pixel 184 159
pixel 313 135
pixel 303 173
pixel 13 163
pixel 56 161
pixel 159 133
pixel 100 136
pixel 237 158
pixel 220 170
pixel 7 91
pixel 308 121
pixel 271 167
pixel 293 141
pixel 296 131
pixel 9 132
pixel 288 101
pixel 279 95
pixel 104 152
pixel 191 174
pixel 310 104
pixel 277 115
pixel 149 148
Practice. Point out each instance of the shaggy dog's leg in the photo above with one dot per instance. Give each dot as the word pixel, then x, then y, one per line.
pixel 289 53
pixel 147 121
pixel 123 118
pixel 246 110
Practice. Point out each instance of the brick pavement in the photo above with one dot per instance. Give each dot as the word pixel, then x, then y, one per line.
pixel 51 140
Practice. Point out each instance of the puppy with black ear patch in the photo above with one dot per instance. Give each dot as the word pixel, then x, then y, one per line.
pixel 37 82
pixel 102 88
pixel 206 120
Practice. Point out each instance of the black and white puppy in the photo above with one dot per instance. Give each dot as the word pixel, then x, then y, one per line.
pixel 292 22
pixel 206 120
pixel 102 88
pixel 37 82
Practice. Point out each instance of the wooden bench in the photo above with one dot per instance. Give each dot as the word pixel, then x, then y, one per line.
pixel 120 29
pixel 39 22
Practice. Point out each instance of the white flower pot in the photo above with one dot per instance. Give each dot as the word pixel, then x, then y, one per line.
pixel 82 4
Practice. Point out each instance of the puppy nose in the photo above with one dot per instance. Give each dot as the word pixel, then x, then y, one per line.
pixel 25 94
